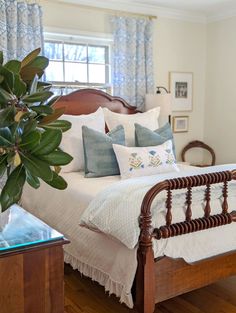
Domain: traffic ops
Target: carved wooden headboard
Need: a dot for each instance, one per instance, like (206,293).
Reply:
(85,101)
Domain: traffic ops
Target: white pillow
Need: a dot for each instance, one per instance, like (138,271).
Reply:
(72,142)
(147,119)
(144,161)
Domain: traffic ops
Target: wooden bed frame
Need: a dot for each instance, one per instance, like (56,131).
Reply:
(160,279)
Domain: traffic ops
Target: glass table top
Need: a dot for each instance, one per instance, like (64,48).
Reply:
(24,229)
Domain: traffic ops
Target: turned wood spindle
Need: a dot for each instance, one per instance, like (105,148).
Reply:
(225,206)
(189,205)
(208,199)
(169,207)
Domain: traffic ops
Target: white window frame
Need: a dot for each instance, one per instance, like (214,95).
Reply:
(83,38)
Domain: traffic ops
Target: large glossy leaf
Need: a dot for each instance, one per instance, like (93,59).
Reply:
(40,62)
(30,57)
(11,192)
(8,82)
(14,66)
(50,140)
(3,168)
(1,79)
(44,86)
(57,158)
(29,126)
(53,117)
(19,88)
(5,96)
(57,182)
(5,137)
(42,109)
(53,100)
(59,124)
(32,180)
(7,116)
(28,73)
(30,141)
(34,85)
(38,97)
(36,167)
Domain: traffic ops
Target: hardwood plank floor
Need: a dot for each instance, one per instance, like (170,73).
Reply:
(84,296)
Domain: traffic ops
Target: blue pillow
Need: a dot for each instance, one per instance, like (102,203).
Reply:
(145,137)
(99,156)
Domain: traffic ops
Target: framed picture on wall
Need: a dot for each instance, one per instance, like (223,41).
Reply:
(180,124)
(181,89)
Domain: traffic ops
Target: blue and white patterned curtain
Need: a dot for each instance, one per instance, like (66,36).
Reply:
(133,59)
(21,29)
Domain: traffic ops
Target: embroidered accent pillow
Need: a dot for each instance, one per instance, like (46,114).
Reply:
(148,119)
(99,156)
(145,161)
(72,139)
(145,137)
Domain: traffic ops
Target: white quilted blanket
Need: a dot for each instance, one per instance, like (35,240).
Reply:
(115,212)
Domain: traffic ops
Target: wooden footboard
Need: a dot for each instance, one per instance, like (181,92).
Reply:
(158,280)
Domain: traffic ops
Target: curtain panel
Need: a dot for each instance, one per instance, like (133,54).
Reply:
(21,29)
(132,59)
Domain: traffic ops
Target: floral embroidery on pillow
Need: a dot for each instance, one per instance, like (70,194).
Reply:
(154,159)
(170,159)
(135,162)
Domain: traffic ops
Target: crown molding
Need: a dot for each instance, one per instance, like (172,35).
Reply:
(132,6)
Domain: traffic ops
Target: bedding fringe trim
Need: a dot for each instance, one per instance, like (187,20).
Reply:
(102,278)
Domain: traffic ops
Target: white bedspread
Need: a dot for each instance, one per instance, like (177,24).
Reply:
(96,255)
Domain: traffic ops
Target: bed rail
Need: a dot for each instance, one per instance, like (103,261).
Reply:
(189,225)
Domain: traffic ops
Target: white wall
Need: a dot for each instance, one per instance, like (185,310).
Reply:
(178,46)
(220,108)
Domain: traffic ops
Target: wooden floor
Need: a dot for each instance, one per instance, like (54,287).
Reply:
(84,296)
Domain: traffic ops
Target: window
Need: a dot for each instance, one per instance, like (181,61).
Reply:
(74,65)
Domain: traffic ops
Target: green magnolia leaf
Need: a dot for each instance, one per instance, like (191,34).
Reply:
(11,192)
(5,96)
(57,158)
(30,141)
(59,124)
(38,97)
(40,62)
(44,86)
(29,126)
(42,109)
(8,82)
(19,87)
(7,116)
(32,180)
(53,117)
(14,66)
(34,84)
(50,140)
(57,182)
(5,137)
(1,57)
(1,79)
(30,57)
(36,167)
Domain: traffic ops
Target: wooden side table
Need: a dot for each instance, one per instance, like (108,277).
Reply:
(31,266)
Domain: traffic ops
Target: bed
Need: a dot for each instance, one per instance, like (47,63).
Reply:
(156,279)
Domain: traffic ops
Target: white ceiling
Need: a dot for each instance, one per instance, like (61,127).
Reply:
(194,10)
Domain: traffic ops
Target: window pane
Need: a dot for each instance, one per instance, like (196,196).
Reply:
(54,71)
(53,50)
(97,74)
(96,54)
(75,72)
(75,53)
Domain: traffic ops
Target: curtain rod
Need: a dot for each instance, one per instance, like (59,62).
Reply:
(112,11)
